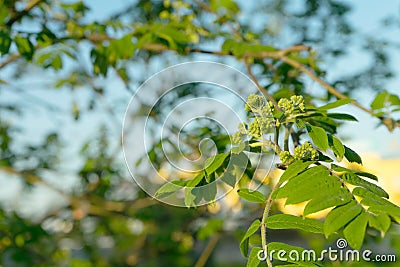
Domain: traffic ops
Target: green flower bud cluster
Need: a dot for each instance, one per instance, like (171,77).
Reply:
(290,106)
(254,103)
(263,115)
(306,152)
(255,128)
(237,138)
(298,102)
(286,157)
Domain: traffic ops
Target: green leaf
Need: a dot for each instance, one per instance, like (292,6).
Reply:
(366,174)
(326,123)
(318,136)
(324,201)
(351,155)
(342,116)
(380,222)
(338,103)
(252,196)
(253,260)
(229,6)
(286,221)
(323,158)
(340,216)
(208,192)
(228,178)
(308,184)
(189,197)
(196,180)
(25,47)
(384,99)
(337,168)
(376,204)
(294,169)
(244,244)
(239,148)
(379,101)
(214,162)
(336,146)
(353,179)
(5,43)
(100,62)
(169,188)
(354,232)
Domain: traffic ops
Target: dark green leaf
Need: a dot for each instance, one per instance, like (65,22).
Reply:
(351,155)
(5,43)
(25,47)
(342,116)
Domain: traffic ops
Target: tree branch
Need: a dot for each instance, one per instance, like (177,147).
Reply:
(259,87)
(388,122)
(31,4)
(208,250)
(9,60)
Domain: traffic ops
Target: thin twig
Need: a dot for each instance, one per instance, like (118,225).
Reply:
(208,250)
(327,86)
(9,60)
(259,87)
(387,121)
(31,4)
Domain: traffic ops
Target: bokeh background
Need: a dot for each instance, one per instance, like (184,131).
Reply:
(67,72)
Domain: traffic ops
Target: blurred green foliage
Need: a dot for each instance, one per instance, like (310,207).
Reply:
(103,218)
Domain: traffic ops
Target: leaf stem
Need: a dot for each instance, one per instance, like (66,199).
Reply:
(268,204)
